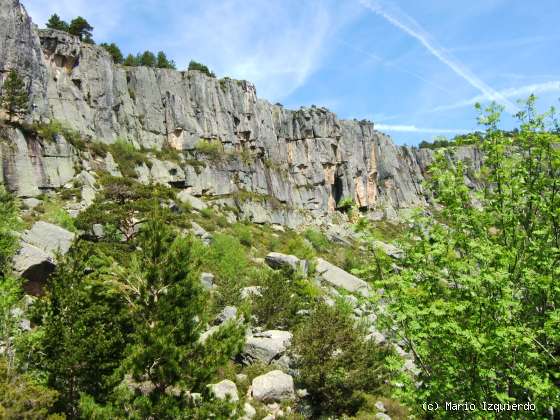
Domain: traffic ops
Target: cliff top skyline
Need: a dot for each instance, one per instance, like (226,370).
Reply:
(416,71)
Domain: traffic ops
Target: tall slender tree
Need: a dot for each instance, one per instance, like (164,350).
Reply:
(15,99)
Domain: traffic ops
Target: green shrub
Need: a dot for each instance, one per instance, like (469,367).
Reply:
(317,239)
(212,148)
(52,211)
(128,157)
(283,294)
(299,247)
(336,362)
(194,65)
(243,233)
(9,222)
(345,205)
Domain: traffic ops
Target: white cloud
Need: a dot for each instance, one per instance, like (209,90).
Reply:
(277,45)
(408,25)
(103,15)
(414,129)
(514,92)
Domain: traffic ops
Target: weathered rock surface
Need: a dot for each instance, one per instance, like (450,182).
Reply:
(35,260)
(291,262)
(273,386)
(225,389)
(266,346)
(340,278)
(288,161)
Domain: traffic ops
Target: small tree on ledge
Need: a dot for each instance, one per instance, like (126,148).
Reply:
(15,99)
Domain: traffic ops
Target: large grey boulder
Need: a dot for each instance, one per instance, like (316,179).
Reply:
(35,260)
(340,278)
(278,260)
(273,386)
(196,203)
(389,249)
(224,390)
(266,346)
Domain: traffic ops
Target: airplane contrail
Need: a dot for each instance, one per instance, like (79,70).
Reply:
(408,25)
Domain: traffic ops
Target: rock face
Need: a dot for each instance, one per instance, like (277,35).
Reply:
(266,346)
(288,161)
(273,386)
(225,389)
(291,262)
(35,260)
(340,278)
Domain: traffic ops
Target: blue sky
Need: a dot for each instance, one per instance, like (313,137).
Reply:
(415,68)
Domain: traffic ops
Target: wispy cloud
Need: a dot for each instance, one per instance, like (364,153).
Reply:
(514,92)
(414,129)
(407,24)
(393,65)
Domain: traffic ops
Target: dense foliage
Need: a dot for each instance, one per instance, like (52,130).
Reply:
(194,65)
(337,364)
(477,298)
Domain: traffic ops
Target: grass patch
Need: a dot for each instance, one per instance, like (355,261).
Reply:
(128,157)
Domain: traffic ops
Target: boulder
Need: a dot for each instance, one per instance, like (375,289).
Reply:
(340,278)
(251,291)
(266,346)
(224,389)
(35,260)
(273,386)
(389,249)
(277,260)
(207,280)
(201,233)
(229,312)
(249,411)
(196,203)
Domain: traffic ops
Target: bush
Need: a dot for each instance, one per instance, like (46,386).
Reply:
(213,148)
(128,157)
(317,239)
(243,233)
(282,295)
(299,247)
(336,363)
(9,222)
(193,65)
(53,212)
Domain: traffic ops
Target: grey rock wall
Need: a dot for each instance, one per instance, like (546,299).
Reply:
(306,159)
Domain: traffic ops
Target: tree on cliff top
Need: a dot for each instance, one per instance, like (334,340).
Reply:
(15,98)
(194,65)
(55,22)
(81,28)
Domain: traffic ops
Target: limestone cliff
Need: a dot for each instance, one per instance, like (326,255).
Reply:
(298,160)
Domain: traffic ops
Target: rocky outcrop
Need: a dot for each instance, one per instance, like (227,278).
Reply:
(278,260)
(36,258)
(225,389)
(30,166)
(266,347)
(286,167)
(339,278)
(273,386)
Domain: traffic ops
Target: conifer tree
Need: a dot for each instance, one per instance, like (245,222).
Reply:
(82,29)
(115,52)
(148,59)
(55,22)
(163,62)
(15,98)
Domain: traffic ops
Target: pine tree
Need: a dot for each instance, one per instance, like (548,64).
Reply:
(163,62)
(167,304)
(82,29)
(130,61)
(15,98)
(148,59)
(115,52)
(55,22)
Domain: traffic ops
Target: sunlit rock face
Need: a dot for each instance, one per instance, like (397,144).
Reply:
(296,160)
